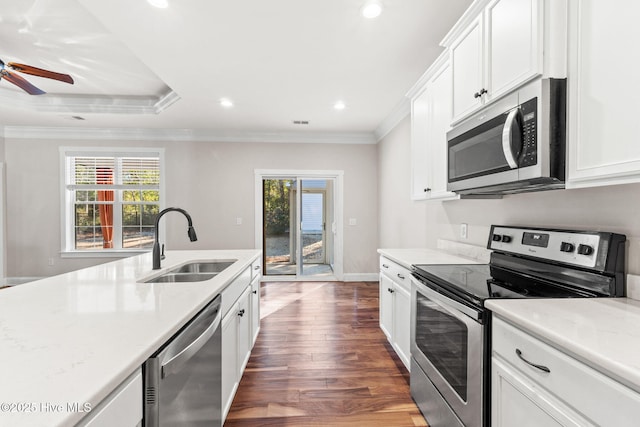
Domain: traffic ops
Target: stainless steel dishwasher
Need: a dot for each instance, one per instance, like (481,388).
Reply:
(183,378)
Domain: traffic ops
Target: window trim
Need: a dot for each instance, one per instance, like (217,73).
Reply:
(67,249)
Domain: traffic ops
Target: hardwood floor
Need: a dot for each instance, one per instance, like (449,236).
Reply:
(322,360)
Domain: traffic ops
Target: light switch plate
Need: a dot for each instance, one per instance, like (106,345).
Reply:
(353,221)
(463,231)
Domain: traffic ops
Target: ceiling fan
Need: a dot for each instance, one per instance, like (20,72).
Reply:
(19,81)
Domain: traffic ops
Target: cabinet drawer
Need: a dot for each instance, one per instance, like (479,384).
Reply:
(601,399)
(256,268)
(396,272)
(231,293)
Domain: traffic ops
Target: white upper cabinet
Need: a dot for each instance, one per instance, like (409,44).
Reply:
(603,83)
(466,63)
(430,118)
(497,48)
(513,52)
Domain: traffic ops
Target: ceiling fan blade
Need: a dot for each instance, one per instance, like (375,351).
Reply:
(34,71)
(21,83)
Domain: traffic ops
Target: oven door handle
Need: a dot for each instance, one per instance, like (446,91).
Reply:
(507,136)
(446,302)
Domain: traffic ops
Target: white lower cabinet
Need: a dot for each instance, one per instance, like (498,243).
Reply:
(240,327)
(230,359)
(123,407)
(536,385)
(395,307)
(255,309)
(239,330)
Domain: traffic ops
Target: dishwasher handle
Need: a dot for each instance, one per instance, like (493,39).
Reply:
(174,364)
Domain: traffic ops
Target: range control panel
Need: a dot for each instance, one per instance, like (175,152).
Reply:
(584,249)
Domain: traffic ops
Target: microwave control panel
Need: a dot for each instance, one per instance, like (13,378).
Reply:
(529,153)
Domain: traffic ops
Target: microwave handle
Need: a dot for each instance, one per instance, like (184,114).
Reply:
(507,135)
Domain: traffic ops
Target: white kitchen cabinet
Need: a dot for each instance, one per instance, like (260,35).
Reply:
(244,330)
(255,301)
(123,407)
(560,391)
(395,307)
(602,87)
(236,348)
(237,331)
(467,64)
(498,48)
(230,359)
(430,118)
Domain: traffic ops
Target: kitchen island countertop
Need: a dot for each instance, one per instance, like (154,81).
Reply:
(75,337)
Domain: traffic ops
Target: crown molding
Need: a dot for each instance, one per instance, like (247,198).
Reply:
(399,112)
(467,17)
(81,104)
(126,134)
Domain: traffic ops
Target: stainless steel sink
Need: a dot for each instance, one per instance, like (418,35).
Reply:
(203,267)
(181,277)
(198,271)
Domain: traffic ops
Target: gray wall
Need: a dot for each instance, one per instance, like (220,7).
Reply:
(213,181)
(405,224)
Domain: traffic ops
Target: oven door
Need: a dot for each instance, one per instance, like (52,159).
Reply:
(448,343)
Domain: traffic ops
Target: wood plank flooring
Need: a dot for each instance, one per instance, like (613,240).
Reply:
(322,360)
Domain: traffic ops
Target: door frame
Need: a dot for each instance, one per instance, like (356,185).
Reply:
(337,227)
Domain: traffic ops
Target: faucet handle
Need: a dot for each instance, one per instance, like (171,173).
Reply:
(162,252)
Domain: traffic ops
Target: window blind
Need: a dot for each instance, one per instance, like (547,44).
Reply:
(112,172)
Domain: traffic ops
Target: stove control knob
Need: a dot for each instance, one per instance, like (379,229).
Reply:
(567,247)
(506,238)
(496,238)
(585,249)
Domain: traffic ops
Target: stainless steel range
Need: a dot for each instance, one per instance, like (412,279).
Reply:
(451,329)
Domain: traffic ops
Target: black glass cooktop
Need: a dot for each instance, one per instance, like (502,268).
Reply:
(478,282)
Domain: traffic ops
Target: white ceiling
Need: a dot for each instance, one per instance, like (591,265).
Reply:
(140,68)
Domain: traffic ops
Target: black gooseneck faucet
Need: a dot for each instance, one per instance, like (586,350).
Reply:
(191,232)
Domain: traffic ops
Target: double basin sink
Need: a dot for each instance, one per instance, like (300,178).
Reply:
(192,272)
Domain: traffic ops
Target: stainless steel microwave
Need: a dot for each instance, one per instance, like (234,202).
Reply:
(516,144)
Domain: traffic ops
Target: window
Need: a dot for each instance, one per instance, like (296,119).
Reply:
(111,199)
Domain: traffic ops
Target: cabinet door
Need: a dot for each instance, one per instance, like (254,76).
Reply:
(420,168)
(439,120)
(513,46)
(603,87)
(466,65)
(402,324)
(517,401)
(230,367)
(244,330)
(255,310)
(386,305)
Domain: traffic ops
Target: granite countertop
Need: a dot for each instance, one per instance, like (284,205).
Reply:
(75,337)
(603,333)
(408,257)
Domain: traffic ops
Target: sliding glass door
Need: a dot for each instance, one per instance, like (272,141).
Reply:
(295,216)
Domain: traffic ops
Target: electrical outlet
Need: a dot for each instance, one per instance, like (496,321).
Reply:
(353,221)
(463,231)
(238,221)
(50,261)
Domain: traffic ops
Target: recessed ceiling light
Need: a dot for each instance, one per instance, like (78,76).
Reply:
(372,9)
(162,4)
(339,105)
(226,103)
